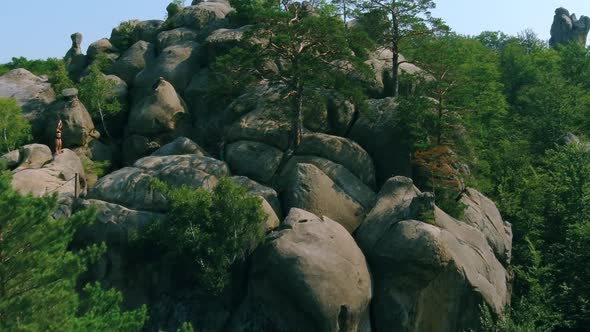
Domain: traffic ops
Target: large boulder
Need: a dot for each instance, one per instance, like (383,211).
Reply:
(256,160)
(567,28)
(78,127)
(147,30)
(176,64)
(175,37)
(481,213)
(57,176)
(131,186)
(308,188)
(102,47)
(10,160)
(74,60)
(430,271)
(199,16)
(255,188)
(135,147)
(342,151)
(32,93)
(161,111)
(115,225)
(381,135)
(34,156)
(341,176)
(308,276)
(262,125)
(181,145)
(133,61)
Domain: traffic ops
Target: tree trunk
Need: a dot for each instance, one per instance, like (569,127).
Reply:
(297,120)
(103,123)
(394,73)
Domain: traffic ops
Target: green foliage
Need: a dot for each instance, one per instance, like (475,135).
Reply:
(98,168)
(393,23)
(295,54)
(186,327)
(38,273)
(208,230)
(100,310)
(96,93)
(60,79)
(14,128)
(37,67)
(125,36)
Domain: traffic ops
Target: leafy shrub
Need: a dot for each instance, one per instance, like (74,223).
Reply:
(208,230)
(14,128)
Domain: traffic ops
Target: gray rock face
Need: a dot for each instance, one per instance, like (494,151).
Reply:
(130,186)
(342,151)
(309,276)
(256,160)
(32,93)
(382,138)
(133,61)
(136,146)
(342,178)
(147,30)
(179,146)
(311,189)
(483,214)
(176,64)
(78,128)
(114,223)
(255,188)
(34,156)
(175,37)
(429,276)
(381,61)
(75,61)
(200,15)
(265,126)
(54,177)
(163,110)
(10,160)
(102,46)
(567,28)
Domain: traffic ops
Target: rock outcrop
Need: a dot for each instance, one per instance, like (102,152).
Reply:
(567,28)
(39,174)
(133,61)
(431,272)
(130,186)
(74,60)
(32,93)
(309,276)
(78,127)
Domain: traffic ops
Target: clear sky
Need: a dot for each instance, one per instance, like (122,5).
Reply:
(41,28)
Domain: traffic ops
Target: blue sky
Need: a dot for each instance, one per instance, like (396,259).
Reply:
(40,28)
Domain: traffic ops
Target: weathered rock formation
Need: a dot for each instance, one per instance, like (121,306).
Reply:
(567,28)
(74,60)
(309,276)
(32,93)
(431,272)
(39,173)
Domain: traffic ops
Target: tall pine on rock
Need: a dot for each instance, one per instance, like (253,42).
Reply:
(393,22)
(296,50)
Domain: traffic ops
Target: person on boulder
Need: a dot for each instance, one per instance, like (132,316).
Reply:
(58,137)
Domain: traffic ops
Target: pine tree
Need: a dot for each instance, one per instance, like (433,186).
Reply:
(38,273)
(393,22)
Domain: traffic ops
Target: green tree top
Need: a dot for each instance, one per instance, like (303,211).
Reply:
(14,128)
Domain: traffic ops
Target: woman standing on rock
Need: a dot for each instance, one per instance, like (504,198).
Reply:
(58,137)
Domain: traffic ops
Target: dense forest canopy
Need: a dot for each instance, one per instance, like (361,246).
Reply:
(507,115)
